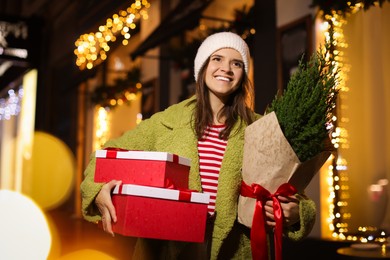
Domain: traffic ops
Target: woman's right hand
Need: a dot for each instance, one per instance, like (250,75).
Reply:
(104,203)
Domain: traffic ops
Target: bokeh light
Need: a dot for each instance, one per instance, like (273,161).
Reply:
(49,175)
(86,254)
(24,232)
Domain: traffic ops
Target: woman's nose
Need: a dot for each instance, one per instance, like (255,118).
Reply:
(225,66)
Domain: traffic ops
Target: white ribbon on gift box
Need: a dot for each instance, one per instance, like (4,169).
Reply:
(145,155)
(159,193)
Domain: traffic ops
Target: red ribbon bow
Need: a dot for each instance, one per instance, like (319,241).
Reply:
(184,194)
(258,234)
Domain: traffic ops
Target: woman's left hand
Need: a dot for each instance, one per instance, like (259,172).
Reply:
(290,208)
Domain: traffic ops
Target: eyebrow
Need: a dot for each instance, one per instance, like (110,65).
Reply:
(221,56)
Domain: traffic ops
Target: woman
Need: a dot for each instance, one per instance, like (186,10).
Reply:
(216,116)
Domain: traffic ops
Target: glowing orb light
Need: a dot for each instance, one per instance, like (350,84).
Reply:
(52,171)
(86,254)
(56,243)
(24,232)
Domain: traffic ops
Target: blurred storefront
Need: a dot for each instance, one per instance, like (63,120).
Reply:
(19,56)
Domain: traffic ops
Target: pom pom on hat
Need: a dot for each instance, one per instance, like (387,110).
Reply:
(218,41)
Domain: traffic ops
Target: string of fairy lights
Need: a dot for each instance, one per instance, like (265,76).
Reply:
(337,175)
(337,172)
(91,48)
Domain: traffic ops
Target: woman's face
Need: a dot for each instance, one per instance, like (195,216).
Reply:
(224,72)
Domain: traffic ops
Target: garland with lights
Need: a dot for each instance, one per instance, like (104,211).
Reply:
(337,171)
(121,92)
(344,7)
(91,48)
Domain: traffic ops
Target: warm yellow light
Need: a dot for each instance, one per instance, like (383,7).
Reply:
(139,118)
(131,96)
(51,192)
(324,26)
(87,254)
(102,119)
(90,37)
(88,45)
(333,33)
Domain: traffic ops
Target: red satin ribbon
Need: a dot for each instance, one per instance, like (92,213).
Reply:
(112,152)
(258,234)
(184,194)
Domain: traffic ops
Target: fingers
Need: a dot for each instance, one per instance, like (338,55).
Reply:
(291,213)
(105,206)
(290,206)
(111,209)
(107,227)
(107,188)
(269,214)
(288,199)
(290,210)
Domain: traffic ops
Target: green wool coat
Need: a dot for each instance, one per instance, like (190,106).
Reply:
(171,131)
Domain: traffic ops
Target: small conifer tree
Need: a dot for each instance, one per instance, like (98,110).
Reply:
(305,109)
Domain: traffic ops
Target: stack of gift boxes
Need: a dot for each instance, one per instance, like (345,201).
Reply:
(154,200)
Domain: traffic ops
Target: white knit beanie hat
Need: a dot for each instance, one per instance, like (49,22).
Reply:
(218,41)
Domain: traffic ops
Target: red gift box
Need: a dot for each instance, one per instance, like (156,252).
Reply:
(158,169)
(158,213)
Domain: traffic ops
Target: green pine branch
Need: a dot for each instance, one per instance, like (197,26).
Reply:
(305,109)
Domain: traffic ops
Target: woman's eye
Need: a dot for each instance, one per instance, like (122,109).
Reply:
(216,59)
(238,64)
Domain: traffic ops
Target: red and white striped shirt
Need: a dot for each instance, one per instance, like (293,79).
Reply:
(211,150)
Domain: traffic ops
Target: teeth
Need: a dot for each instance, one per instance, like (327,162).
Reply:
(222,78)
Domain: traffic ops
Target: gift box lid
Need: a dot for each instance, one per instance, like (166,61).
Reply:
(161,193)
(143,155)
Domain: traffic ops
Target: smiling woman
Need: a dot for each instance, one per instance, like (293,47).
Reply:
(208,129)
(223,76)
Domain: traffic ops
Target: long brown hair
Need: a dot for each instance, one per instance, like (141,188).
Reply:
(239,106)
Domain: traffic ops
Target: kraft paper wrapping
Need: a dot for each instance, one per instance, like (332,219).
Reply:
(270,161)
